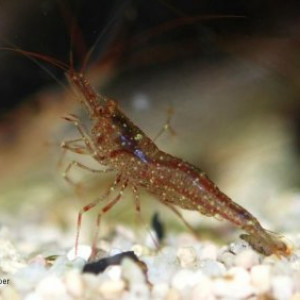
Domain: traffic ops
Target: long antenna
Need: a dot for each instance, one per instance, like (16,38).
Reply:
(35,57)
(107,27)
(76,37)
(31,55)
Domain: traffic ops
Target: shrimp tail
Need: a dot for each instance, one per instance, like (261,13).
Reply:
(267,244)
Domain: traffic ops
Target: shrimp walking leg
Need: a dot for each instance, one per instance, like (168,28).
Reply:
(167,125)
(178,213)
(73,146)
(137,205)
(92,204)
(75,163)
(80,127)
(104,210)
(139,218)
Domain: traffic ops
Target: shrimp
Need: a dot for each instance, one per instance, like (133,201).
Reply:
(120,146)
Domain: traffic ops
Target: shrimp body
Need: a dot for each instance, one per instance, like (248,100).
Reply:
(119,144)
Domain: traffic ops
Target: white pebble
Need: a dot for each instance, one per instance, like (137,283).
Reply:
(235,283)
(83,251)
(140,250)
(227,258)
(9,293)
(112,289)
(186,278)
(282,267)
(131,272)
(163,266)
(187,257)
(173,294)
(51,288)
(246,259)
(182,279)
(114,272)
(27,278)
(203,290)
(115,251)
(74,283)
(92,282)
(159,291)
(260,278)
(38,259)
(238,246)
(212,268)
(296,280)
(295,296)
(32,296)
(295,263)
(209,251)
(61,265)
(10,260)
(78,263)
(282,287)
(138,291)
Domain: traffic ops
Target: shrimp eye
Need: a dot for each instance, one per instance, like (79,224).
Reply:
(100,110)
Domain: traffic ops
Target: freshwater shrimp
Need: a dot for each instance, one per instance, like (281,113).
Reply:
(120,146)
(116,142)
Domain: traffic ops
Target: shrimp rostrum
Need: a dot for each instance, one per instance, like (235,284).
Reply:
(120,145)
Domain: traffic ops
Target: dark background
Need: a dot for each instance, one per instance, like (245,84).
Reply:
(45,26)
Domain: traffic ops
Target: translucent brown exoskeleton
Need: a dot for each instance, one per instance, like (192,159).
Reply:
(119,146)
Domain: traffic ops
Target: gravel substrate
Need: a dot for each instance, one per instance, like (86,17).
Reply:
(182,268)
